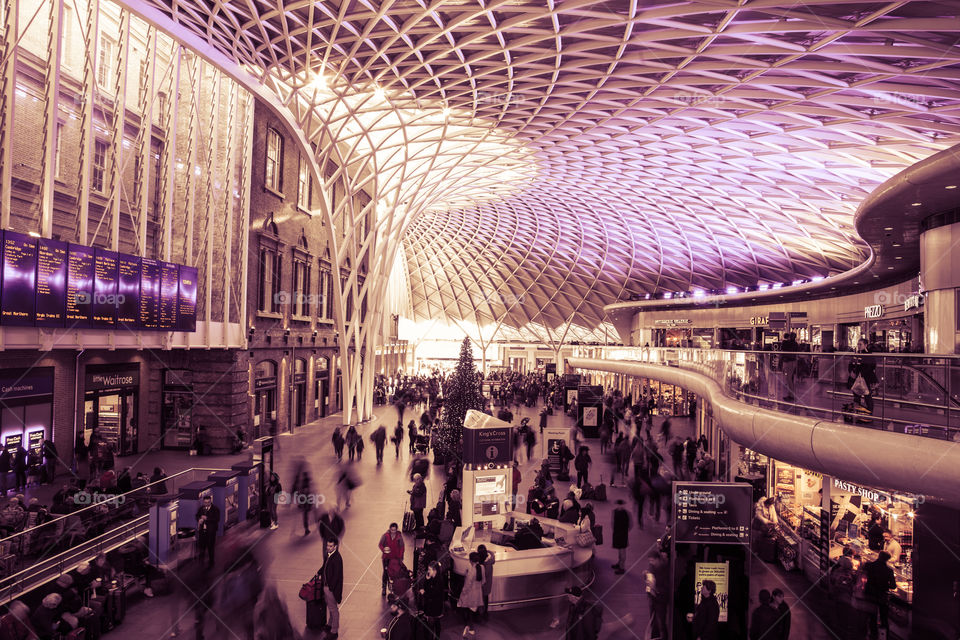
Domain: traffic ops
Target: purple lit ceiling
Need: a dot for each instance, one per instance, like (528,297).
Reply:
(672,145)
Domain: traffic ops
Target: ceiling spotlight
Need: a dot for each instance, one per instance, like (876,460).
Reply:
(899,258)
(916,204)
(796,282)
(888,228)
(732,290)
(889,268)
(647,297)
(699,293)
(667,295)
(33,234)
(776,285)
(895,244)
(762,287)
(816,278)
(951,186)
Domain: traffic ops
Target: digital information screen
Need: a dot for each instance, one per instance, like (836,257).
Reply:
(79,285)
(169,283)
(187,307)
(51,283)
(105,289)
(128,286)
(494,485)
(19,279)
(149,293)
(713,512)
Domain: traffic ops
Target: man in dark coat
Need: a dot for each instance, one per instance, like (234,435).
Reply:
(20,468)
(379,439)
(330,526)
(621,536)
(208,520)
(584,619)
(783,615)
(880,580)
(706,618)
(764,619)
(332,571)
(50,458)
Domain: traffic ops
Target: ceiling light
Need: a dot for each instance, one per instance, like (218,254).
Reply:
(33,234)
(776,285)
(899,258)
(888,268)
(896,244)
(732,290)
(916,204)
(763,287)
(951,186)
(888,228)
(667,295)
(796,282)
(816,278)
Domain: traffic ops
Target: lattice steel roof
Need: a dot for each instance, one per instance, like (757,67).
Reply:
(637,146)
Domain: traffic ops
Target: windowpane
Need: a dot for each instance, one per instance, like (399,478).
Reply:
(105,63)
(303,185)
(99,165)
(274,155)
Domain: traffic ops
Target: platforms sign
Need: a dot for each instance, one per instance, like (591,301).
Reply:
(713,512)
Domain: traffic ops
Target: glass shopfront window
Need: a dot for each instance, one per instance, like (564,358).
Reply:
(110,406)
(265,399)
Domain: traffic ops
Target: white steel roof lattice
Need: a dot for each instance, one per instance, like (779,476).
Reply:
(634,148)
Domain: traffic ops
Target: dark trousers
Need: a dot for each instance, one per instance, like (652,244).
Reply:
(306,520)
(398,450)
(581,477)
(205,544)
(383,581)
(485,612)
(21,479)
(418,517)
(379,454)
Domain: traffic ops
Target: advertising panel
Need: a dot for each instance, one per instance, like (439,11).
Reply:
(719,572)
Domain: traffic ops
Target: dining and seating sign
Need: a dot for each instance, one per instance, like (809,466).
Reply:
(49,283)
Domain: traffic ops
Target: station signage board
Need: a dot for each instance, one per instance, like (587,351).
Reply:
(759,321)
(913,301)
(713,512)
(672,322)
(486,440)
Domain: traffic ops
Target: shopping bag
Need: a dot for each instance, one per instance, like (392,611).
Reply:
(860,387)
(597,531)
(585,539)
(313,589)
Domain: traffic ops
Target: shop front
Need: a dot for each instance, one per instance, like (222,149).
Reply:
(265,399)
(672,332)
(26,407)
(111,396)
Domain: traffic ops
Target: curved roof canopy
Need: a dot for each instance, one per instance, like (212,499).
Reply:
(575,152)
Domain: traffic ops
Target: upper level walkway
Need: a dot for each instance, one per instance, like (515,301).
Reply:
(800,407)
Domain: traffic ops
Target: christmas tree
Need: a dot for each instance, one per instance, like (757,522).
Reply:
(461,393)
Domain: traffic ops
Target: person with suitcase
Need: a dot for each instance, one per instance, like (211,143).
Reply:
(315,601)
(332,571)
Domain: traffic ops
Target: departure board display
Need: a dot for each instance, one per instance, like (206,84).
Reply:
(187,307)
(105,289)
(128,290)
(169,282)
(149,293)
(51,283)
(19,279)
(80,264)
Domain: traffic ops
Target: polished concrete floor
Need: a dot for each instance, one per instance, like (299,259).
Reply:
(381,499)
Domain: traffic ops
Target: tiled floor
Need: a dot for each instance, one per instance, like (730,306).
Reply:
(380,500)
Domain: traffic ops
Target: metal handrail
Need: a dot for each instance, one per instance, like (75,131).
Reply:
(141,491)
(43,571)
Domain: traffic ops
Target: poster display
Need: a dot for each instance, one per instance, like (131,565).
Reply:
(35,441)
(590,417)
(572,395)
(51,283)
(719,572)
(80,266)
(105,288)
(19,279)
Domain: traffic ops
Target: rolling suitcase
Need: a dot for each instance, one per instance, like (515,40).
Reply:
(600,491)
(316,614)
(409,522)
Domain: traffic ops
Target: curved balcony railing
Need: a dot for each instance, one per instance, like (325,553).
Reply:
(915,394)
